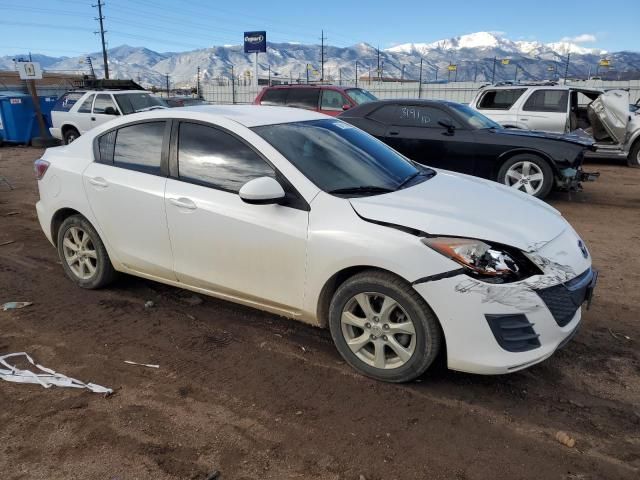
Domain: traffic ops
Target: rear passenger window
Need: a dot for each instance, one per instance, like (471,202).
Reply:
(385,115)
(303,98)
(86,105)
(139,147)
(66,101)
(211,157)
(419,116)
(105,147)
(275,96)
(500,99)
(547,101)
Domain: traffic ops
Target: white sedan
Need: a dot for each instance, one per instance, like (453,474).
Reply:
(305,216)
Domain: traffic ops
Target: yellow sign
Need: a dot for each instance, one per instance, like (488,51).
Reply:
(452,68)
(505,61)
(605,62)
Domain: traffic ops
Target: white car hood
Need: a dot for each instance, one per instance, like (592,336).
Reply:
(465,206)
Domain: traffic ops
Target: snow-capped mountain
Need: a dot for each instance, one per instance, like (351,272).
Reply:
(473,54)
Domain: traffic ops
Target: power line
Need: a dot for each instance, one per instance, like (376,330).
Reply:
(102,32)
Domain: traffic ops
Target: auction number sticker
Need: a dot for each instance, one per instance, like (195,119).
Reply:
(15,101)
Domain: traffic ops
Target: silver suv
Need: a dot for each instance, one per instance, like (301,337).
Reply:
(561,109)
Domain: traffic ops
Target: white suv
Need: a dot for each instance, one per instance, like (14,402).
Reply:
(561,109)
(78,111)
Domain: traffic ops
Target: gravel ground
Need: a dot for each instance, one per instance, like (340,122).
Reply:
(256,396)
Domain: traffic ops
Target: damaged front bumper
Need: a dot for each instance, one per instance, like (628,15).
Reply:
(501,328)
(570,179)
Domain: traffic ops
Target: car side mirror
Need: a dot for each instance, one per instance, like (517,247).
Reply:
(448,125)
(346,106)
(111,111)
(262,191)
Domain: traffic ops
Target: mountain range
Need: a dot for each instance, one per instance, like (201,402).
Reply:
(478,56)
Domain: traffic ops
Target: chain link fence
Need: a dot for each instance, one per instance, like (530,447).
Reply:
(461,92)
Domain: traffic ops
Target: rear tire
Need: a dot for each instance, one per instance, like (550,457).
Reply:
(83,255)
(70,135)
(528,173)
(394,338)
(633,160)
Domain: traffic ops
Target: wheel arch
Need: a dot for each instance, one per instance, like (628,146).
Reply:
(68,126)
(509,154)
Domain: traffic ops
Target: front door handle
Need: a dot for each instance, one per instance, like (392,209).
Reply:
(93,119)
(394,132)
(524,119)
(183,202)
(98,182)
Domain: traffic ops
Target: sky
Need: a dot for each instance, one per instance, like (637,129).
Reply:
(66,27)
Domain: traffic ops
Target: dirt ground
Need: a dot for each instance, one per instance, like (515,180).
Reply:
(255,396)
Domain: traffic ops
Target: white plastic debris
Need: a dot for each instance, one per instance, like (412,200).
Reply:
(142,364)
(47,378)
(15,305)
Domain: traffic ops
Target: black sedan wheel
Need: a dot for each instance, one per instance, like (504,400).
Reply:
(527,173)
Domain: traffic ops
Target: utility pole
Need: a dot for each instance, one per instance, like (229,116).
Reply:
(322,56)
(198,84)
(356,74)
(167,79)
(475,73)
(420,80)
(515,79)
(307,73)
(379,71)
(269,76)
(102,32)
(233,86)
(402,76)
(340,75)
(566,68)
(493,74)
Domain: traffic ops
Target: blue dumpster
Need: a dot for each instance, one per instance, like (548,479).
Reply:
(18,122)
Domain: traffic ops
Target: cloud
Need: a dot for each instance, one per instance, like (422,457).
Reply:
(582,38)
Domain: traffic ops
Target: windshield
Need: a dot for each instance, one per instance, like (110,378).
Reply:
(473,117)
(361,96)
(138,102)
(340,158)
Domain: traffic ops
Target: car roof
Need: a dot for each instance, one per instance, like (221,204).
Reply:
(305,85)
(541,87)
(111,91)
(247,115)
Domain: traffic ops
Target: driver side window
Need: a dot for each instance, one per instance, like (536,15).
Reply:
(213,158)
(104,101)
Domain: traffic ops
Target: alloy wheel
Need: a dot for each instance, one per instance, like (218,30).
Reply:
(80,253)
(378,330)
(525,176)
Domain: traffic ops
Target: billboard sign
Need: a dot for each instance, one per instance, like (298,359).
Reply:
(255,42)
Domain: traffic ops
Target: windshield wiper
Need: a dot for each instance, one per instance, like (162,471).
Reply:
(362,189)
(426,173)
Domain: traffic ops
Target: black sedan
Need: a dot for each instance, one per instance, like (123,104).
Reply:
(455,137)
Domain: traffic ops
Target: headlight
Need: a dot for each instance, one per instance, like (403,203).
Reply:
(494,263)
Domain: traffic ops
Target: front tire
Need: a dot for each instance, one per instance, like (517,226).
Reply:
(83,255)
(633,160)
(383,328)
(528,173)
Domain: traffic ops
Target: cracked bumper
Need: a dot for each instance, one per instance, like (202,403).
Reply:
(471,345)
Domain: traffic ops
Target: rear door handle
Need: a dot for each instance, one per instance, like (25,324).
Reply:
(183,202)
(524,119)
(93,119)
(98,182)
(394,132)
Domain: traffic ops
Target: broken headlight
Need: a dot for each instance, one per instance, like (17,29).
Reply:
(492,263)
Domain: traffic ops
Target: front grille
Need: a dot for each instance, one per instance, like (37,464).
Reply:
(514,333)
(565,299)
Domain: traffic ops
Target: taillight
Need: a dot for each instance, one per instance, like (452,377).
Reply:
(40,166)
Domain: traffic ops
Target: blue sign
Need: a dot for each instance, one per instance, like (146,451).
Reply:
(255,42)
